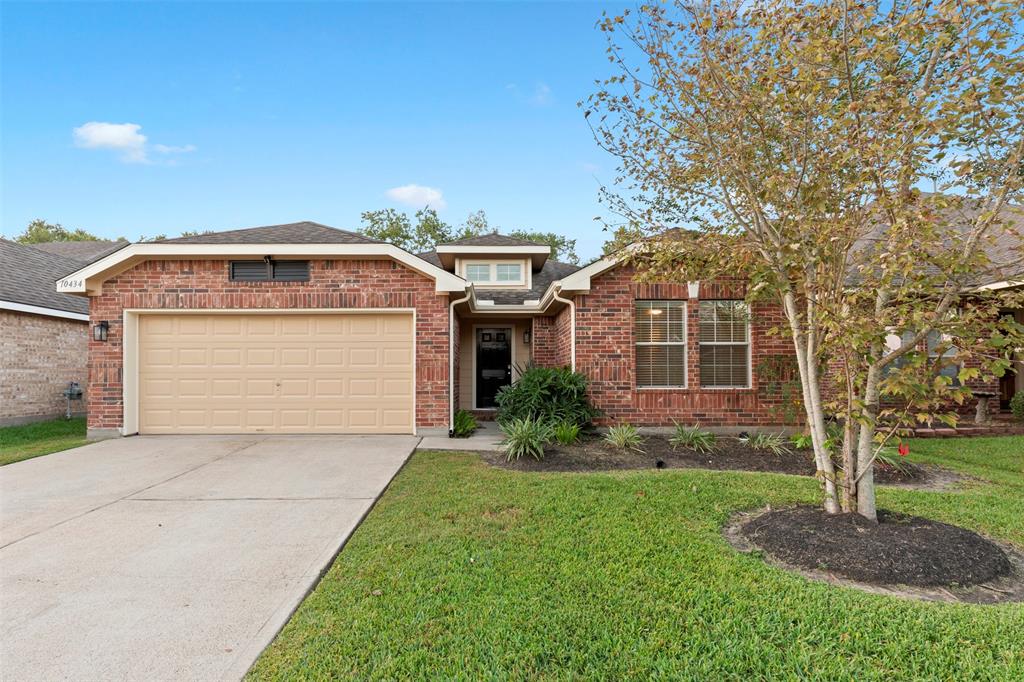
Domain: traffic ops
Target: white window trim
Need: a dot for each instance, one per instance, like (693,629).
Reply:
(684,343)
(525,280)
(750,360)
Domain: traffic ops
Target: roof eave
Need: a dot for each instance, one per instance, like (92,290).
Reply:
(88,280)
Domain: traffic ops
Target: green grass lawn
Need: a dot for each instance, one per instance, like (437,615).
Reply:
(470,572)
(42,438)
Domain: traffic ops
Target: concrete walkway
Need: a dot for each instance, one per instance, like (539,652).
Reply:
(173,557)
(485,438)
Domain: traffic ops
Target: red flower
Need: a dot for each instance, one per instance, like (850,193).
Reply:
(903,449)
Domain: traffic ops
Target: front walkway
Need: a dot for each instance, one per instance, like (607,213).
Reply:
(173,557)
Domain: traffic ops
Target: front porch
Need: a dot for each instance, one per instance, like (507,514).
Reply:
(491,353)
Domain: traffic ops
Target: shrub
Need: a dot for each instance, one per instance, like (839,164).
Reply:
(624,436)
(524,437)
(464,424)
(566,433)
(693,438)
(546,394)
(802,441)
(1017,405)
(770,442)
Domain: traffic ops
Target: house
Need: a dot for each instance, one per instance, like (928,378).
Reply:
(303,328)
(44,337)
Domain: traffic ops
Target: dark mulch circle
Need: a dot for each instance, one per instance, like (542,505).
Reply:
(898,550)
(593,453)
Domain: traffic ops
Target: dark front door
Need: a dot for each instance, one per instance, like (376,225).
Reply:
(493,364)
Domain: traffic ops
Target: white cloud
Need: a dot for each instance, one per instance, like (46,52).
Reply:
(170,149)
(417,196)
(125,138)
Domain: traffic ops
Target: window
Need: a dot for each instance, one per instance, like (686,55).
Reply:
(495,273)
(660,344)
(478,272)
(265,271)
(724,344)
(937,342)
(509,272)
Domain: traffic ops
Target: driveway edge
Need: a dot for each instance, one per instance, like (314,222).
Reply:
(248,656)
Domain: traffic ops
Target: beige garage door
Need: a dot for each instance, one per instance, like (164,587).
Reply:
(308,373)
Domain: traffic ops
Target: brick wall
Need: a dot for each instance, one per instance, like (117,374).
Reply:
(38,357)
(204,285)
(605,353)
(552,339)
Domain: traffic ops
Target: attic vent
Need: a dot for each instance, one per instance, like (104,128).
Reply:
(264,271)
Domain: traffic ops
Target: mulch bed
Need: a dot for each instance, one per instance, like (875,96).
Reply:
(593,453)
(898,550)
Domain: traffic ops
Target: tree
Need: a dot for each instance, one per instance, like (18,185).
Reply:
(562,248)
(796,139)
(40,231)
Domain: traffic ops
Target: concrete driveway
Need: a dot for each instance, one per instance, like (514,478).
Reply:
(173,557)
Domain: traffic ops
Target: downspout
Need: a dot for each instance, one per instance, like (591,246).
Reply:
(572,322)
(451,360)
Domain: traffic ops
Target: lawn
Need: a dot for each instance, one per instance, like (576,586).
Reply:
(42,438)
(465,571)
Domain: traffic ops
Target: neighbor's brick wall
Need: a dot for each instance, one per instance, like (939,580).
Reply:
(605,353)
(204,284)
(38,357)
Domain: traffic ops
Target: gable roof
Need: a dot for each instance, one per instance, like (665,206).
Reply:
(304,232)
(493,239)
(29,276)
(80,251)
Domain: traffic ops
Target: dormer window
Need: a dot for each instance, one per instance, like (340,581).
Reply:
(510,273)
(478,272)
(496,273)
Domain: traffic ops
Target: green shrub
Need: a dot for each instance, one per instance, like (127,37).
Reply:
(1017,405)
(802,441)
(524,437)
(546,394)
(769,442)
(624,436)
(464,424)
(693,438)
(567,433)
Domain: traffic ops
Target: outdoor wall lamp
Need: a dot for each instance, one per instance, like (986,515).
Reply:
(526,338)
(99,331)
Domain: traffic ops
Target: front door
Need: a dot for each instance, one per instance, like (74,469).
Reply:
(493,364)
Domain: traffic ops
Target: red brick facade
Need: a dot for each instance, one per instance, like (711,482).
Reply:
(605,353)
(204,284)
(552,339)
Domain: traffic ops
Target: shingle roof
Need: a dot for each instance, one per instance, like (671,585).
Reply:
(30,276)
(494,239)
(292,233)
(80,251)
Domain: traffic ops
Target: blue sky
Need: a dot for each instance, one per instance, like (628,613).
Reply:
(255,114)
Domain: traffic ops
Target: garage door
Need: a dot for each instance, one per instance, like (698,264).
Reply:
(307,373)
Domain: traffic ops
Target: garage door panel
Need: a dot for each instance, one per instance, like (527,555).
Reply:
(236,373)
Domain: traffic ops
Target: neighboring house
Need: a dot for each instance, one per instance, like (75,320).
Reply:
(43,334)
(303,328)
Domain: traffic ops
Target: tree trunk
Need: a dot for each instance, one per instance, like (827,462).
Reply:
(807,366)
(865,447)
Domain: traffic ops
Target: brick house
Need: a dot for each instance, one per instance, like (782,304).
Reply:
(303,328)
(44,337)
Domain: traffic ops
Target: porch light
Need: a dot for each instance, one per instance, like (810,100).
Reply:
(526,338)
(99,331)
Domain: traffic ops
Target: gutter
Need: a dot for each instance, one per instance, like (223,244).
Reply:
(451,359)
(572,320)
